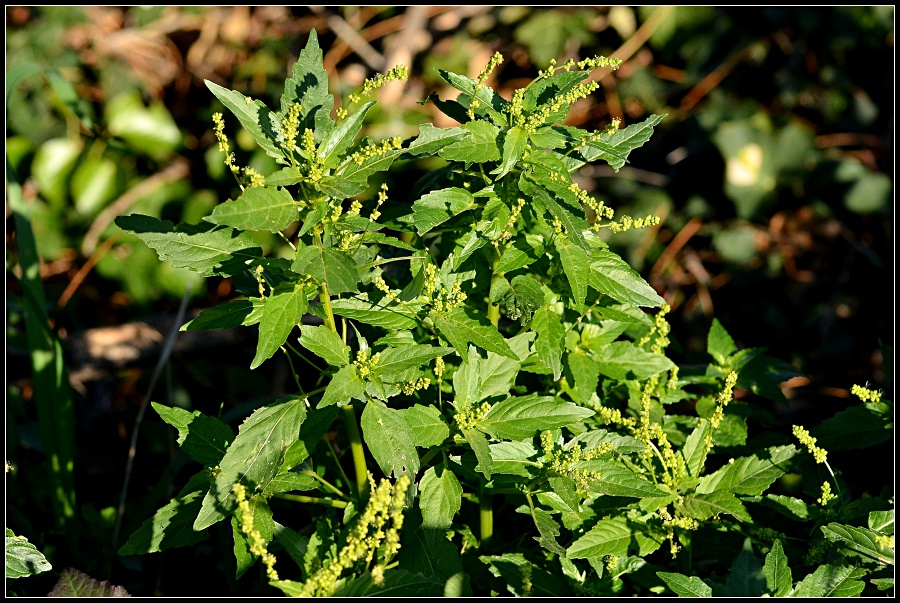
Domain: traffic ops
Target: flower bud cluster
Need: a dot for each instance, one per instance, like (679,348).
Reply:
(290,127)
(469,416)
(865,394)
(479,82)
(377,149)
(627,223)
(257,544)
(511,222)
(722,400)
(827,496)
(415,385)
(606,416)
(224,147)
(562,461)
(364,363)
(807,440)
(398,73)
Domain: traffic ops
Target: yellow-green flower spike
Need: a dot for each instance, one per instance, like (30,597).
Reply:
(865,394)
(810,442)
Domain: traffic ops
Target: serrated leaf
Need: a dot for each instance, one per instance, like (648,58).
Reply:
(263,525)
(331,266)
(224,316)
(343,387)
(326,344)
(314,428)
(616,479)
(464,325)
(882,522)
(427,425)
(357,173)
(607,537)
(431,140)
(308,86)
(574,225)
(440,497)
(253,115)
(389,439)
(490,103)
(517,418)
(550,339)
(719,343)
(342,136)
(73,583)
(694,450)
(289,481)
(585,372)
(577,266)
(439,206)
(746,578)
(479,147)
(777,571)
(394,360)
(383,313)
(258,208)
(859,541)
(615,149)
(254,457)
(203,248)
(169,527)
(548,530)
(286,177)
(204,438)
(481,449)
(749,475)
(832,581)
(282,311)
(704,506)
(612,276)
(514,144)
(23,558)
(293,543)
(623,360)
(498,374)
(685,586)
(525,249)
(514,458)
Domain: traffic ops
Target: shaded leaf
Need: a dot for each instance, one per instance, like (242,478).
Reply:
(777,571)
(479,147)
(685,586)
(344,386)
(23,558)
(550,339)
(439,206)
(169,527)
(73,583)
(262,524)
(749,475)
(623,360)
(204,438)
(253,115)
(427,425)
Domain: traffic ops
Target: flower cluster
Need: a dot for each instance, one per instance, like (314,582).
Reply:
(377,526)
(627,223)
(659,332)
(224,147)
(398,73)
(415,385)
(290,127)
(865,394)
(257,544)
(365,363)
(807,440)
(827,496)
(469,416)
(670,523)
(510,223)
(722,400)
(377,149)
(479,83)
(563,461)
(606,416)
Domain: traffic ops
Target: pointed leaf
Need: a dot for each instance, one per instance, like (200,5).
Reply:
(615,149)
(254,457)
(777,571)
(481,449)
(479,147)
(832,581)
(326,344)
(384,313)
(204,438)
(749,475)
(525,249)
(694,449)
(719,343)
(440,497)
(342,136)
(611,275)
(607,537)
(574,225)
(517,418)
(258,208)
(395,360)
(431,140)
(224,316)
(859,541)
(684,586)
(282,311)
(169,527)
(203,248)
(263,524)
(577,266)
(464,325)
(746,578)
(389,439)
(514,144)
(23,558)
(489,102)
(616,479)
(343,387)
(439,206)
(427,425)
(308,86)
(253,115)
(328,265)
(586,373)
(704,506)
(623,360)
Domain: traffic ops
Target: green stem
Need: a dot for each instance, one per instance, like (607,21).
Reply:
(356,449)
(325,483)
(486,516)
(493,312)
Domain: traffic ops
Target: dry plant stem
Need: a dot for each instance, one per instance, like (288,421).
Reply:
(157,372)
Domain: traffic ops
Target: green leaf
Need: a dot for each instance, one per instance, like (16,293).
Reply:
(343,387)
(514,144)
(293,543)
(525,249)
(612,276)
(793,508)
(334,268)
(514,458)
(253,115)
(694,450)
(882,522)
(719,343)
(684,586)
(615,149)
(383,313)
(254,457)
(574,225)
(341,137)
(397,583)
(522,577)
(550,339)
(326,344)
(623,360)
(282,311)
(861,542)
(389,439)
(777,571)
(429,552)
(431,140)
(394,360)
(607,537)
(308,86)
(288,481)
(464,325)
(204,248)
(586,373)
(23,558)
(440,497)
(317,422)
(832,581)
(358,173)
(427,425)
(263,524)
(286,177)
(704,506)
(749,475)
(481,449)
(169,527)
(204,438)
(73,583)
(498,373)
(490,103)
(224,316)
(860,426)
(258,208)
(746,578)
(616,479)
(479,147)
(521,417)
(439,206)
(548,530)
(577,266)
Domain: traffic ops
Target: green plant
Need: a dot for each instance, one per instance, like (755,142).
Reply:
(506,403)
